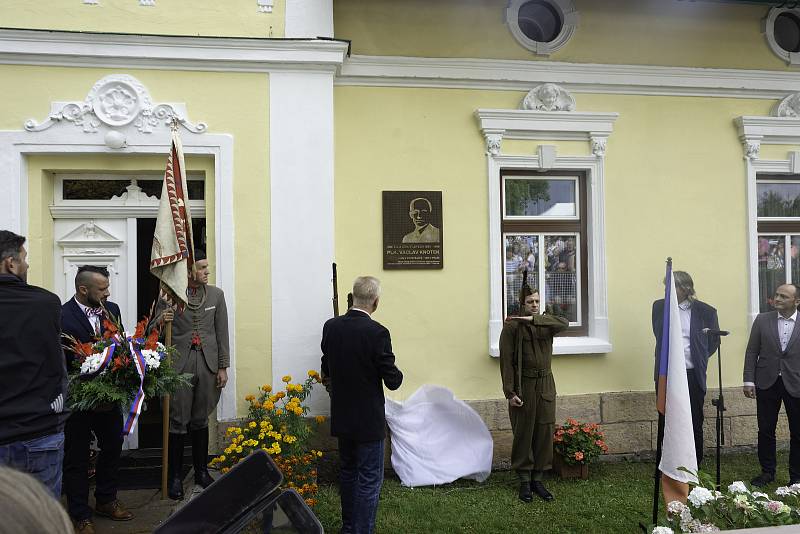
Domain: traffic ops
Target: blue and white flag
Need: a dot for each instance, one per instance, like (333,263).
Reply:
(673,402)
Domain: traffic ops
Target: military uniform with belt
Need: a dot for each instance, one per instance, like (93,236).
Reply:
(526,349)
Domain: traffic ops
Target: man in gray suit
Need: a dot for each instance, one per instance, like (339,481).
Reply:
(200,333)
(772,376)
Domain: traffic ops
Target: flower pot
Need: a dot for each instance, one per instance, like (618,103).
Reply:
(565,470)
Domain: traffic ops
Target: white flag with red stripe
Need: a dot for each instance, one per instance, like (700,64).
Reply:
(172,255)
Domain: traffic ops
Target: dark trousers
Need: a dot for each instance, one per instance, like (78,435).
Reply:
(107,426)
(768,404)
(697,398)
(360,480)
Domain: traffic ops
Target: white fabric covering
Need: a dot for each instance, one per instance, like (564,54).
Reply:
(437,439)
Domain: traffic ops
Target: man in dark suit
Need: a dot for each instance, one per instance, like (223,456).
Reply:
(33,379)
(772,376)
(82,318)
(697,346)
(357,360)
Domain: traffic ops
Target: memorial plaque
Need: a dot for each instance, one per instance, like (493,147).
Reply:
(412,230)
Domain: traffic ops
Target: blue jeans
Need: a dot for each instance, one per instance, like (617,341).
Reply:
(360,480)
(39,457)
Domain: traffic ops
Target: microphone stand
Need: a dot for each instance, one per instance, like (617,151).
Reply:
(719,402)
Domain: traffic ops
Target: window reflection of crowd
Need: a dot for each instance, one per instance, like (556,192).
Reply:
(772,266)
(560,274)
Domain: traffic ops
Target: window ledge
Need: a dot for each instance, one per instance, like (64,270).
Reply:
(572,345)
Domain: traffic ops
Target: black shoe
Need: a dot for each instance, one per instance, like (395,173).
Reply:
(525,492)
(175,467)
(538,488)
(762,480)
(200,457)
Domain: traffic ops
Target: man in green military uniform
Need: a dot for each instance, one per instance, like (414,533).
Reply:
(526,349)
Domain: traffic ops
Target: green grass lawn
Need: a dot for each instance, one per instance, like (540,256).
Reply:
(615,499)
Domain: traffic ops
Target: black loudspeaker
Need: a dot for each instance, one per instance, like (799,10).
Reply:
(248,497)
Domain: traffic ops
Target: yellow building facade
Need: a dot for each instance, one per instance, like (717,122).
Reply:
(670,125)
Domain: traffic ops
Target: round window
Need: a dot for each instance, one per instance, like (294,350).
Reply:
(540,21)
(781,27)
(787,31)
(541,26)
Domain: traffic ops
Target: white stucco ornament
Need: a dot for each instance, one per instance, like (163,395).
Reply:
(115,139)
(788,107)
(116,101)
(548,97)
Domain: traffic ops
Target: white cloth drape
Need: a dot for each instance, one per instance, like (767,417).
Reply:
(437,439)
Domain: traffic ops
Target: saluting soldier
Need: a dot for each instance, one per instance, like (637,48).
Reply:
(526,350)
(200,334)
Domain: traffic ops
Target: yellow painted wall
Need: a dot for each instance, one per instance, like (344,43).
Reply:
(229,18)
(646,32)
(675,186)
(227,102)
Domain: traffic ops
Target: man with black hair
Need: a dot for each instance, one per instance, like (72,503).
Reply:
(82,317)
(526,351)
(33,379)
(200,334)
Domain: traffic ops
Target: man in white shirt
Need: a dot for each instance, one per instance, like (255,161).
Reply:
(772,377)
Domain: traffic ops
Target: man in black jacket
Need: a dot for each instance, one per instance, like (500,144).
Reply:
(357,360)
(82,318)
(698,346)
(33,379)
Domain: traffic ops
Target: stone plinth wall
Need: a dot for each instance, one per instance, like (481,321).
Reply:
(629,420)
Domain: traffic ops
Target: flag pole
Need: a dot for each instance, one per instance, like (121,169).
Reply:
(165,421)
(660,436)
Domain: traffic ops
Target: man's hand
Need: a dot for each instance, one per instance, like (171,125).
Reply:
(168,315)
(222,377)
(749,391)
(515,402)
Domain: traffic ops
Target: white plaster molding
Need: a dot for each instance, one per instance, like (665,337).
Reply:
(265,6)
(768,29)
(788,106)
(569,18)
(547,156)
(553,125)
(548,97)
(769,130)
(753,131)
(108,50)
(598,144)
(592,127)
(147,3)
(306,19)
(92,2)
(518,75)
(493,142)
(301,219)
(114,101)
(17,146)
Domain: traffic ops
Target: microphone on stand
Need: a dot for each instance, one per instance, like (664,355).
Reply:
(709,331)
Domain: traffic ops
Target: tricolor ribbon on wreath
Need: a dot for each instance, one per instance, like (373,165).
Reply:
(138,400)
(106,356)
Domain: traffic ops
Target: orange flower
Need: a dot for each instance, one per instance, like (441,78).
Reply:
(139,332)
(320,419)
(579,456)
(152,340)
(111,329)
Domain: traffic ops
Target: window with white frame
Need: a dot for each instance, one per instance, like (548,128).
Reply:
(778,209)
(781,27)
(544,242)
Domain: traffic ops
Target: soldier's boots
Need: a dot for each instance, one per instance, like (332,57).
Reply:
(538,488)
(525,492)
